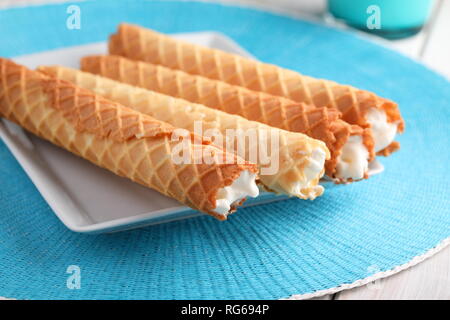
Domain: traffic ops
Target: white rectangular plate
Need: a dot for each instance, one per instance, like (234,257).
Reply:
(90,199)
(87,198)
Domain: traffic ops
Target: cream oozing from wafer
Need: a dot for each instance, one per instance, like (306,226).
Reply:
(311,172)
(383,131)
(353,161)
(244,186)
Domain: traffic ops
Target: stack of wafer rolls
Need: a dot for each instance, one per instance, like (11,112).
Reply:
(124,141)
(299,159)
(319,123)
(357,106)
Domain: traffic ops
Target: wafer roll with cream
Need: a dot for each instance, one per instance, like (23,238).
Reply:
(319,123)
(357,106)
(124,141)
(293,165)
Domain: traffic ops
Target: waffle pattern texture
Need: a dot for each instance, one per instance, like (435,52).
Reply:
(114,137)
(319,123)
(270,251)
(139,43)
(295,151)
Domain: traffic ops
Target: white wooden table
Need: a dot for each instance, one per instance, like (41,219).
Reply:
(431,278)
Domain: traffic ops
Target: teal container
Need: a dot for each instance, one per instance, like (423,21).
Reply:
(388,18)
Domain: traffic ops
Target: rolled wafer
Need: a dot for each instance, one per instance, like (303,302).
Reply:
(357,106)
(294,169)
(319,123)
(122,140)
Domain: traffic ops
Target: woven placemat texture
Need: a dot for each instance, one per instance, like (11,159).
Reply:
(271,251)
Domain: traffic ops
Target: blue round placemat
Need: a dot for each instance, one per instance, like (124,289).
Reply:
(270,251)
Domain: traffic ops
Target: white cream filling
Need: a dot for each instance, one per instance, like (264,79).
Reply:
(241,188)
(353,161)
(312,172)
(382,130)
